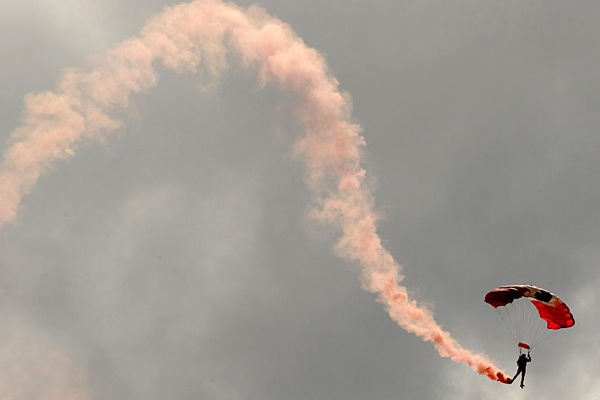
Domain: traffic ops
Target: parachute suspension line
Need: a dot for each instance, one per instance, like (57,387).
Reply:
(508,328)
(526,312)
(521,320)
(545,337)
(533,323)
(513,313)
(508,323)
(525,319)
(519,316)
(529,322)
(540,332)
(510,318)
(533,330)
(545,333)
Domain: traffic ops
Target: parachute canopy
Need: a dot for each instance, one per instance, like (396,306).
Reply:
(552,309)
(514,304)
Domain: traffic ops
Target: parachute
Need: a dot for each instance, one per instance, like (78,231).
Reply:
(531,314)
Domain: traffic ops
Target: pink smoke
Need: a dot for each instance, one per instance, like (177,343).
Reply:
(203,37)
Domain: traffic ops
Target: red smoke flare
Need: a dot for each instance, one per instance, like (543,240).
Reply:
(201,36)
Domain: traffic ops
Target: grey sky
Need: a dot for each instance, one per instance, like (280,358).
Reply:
(175,261)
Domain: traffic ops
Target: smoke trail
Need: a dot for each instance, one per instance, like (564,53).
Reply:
(33,365)
(203,37)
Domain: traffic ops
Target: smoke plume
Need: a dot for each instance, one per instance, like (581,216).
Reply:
(34,366)
(205,37)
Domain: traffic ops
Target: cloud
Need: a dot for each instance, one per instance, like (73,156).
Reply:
(36,366)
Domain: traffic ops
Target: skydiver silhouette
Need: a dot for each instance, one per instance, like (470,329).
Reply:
(522,363)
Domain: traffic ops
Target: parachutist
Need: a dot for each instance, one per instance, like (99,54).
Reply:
(522,366)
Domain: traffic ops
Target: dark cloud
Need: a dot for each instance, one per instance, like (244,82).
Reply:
(175,260)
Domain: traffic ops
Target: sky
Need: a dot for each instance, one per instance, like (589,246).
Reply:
(174,258)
